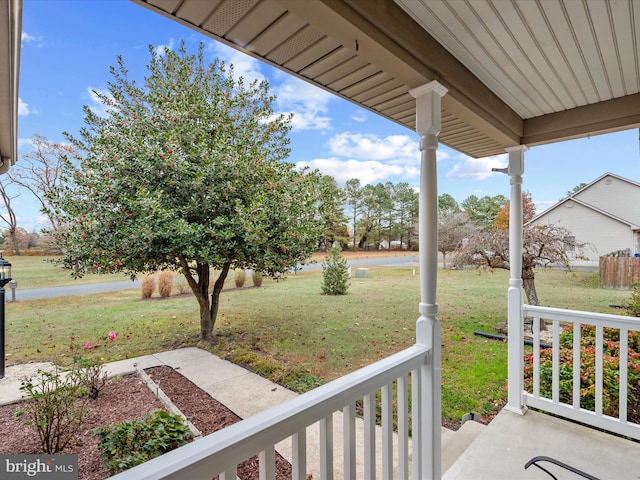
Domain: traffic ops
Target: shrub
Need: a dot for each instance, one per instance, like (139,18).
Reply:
(91,375)
(132,442)
(633,304)
(165,283)
(148,286)
(610,368)
(257,278)
(335,276)
(56,408)
(240,277)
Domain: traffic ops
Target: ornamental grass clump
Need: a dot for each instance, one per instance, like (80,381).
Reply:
(148,286)
(257,278)
(335,274)
(239,278)
(165,283)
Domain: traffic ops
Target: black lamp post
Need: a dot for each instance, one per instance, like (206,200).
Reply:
(5,277)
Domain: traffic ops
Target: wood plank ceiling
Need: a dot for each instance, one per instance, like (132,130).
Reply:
(518,72)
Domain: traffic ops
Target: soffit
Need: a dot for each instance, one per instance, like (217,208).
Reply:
(10,37)
(517,72)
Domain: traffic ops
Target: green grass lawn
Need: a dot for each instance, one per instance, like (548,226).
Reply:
(289,323)
(41,272)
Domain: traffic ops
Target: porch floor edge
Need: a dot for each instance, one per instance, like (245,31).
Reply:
(511,440)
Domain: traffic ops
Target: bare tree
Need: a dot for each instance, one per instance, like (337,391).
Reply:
(453,227)
(542,245)
(10,217)
(40,171)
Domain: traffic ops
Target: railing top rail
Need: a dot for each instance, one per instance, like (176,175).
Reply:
(242,440)
(587,318)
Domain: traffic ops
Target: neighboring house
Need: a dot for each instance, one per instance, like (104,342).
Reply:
(605,214)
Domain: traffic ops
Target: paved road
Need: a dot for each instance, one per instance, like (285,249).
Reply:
(84,289)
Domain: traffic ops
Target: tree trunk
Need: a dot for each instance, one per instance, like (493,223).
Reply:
(14,239)
(529,285)
(200,289)
(215,295)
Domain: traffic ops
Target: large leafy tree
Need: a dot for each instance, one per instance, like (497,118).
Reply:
(331,215)
(185,172)
(501,221)
(483,210)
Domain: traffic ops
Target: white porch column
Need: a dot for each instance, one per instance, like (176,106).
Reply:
(515,292)
(426,458)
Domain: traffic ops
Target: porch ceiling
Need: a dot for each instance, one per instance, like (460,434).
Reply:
(518,72)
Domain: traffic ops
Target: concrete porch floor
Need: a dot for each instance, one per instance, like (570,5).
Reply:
(511,440)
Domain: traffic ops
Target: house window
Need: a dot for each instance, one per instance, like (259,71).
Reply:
(570,243)
(637,243)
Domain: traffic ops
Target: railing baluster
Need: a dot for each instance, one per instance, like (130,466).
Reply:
(555,392)
(577,372)
(599,342)
(370,436)
(267,464)
(229,475)
(535,326)
(387,432)
(349,441)
(417,432)
(299,456)
(624,379)
(403,427)
(326,448)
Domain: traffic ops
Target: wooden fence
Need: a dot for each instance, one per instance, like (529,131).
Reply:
(619,272)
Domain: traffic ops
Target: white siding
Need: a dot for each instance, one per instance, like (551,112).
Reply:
(605,234)
(614,196)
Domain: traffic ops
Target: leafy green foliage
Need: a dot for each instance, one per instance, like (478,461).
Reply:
(633,304)
(335,274)
(610,368)
(484,210)
(132,442)
(56,407)
(185,172)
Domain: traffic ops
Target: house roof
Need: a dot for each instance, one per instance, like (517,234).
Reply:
(574,198)
(517,72)
(564,201)
(10,38)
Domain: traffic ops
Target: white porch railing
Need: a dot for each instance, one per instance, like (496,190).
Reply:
(221,452)
(595,417)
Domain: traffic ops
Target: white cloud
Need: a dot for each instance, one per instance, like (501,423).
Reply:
(308,104)
(478,168)
(396,149)
(162,49)
(243,65)
(96,105)
(31,39)
(359,116)
(23,108)
(366,171)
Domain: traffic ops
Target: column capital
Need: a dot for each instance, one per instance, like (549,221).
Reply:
(516,160)
(428,108)
(433,86)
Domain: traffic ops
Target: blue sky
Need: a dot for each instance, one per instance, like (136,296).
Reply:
(68,47)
